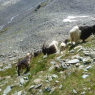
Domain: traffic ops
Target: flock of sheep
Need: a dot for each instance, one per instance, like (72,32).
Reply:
(77,33)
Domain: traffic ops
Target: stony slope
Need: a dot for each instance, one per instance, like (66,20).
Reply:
(45,23)
(69,73)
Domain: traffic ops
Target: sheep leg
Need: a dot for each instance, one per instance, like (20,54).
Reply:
(83,40)
(27,69)
(18,71)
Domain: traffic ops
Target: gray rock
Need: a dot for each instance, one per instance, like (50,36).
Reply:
(58,58)
(52,67)
(7,90)
(0,89)
(40,91)
(94,60)
(54,76)
(82,93)
(64,66)
(79,50)
(78,64)
(92,55)
(47,89)
(74,61)
(25,78)
(87,54)
(60,86)
(87,61)
(72,51)
(85,76)
(19,93)
(7,67)
(74,91)
(38,86)
(53,62)
(45,56)
(87,68)
(31,87)
(81,66)
(22,81)
(80,59)
(57,67)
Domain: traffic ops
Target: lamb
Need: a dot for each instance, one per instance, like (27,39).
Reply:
(81,32)
(24,63)
(50,49)
(63,45)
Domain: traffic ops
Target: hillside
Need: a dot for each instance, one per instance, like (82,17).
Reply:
(58,74)
(50,20)
(69,73)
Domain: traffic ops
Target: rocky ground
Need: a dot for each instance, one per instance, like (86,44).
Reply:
(48,21)
(69,73)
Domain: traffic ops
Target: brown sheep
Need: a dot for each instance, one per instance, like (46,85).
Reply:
(24,63)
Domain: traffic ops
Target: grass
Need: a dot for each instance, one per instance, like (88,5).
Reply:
(70,79)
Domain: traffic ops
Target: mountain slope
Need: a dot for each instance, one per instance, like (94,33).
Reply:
(45,23)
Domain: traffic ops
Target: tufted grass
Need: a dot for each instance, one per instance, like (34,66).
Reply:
(70,79)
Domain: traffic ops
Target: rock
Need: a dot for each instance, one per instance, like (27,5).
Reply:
(52,67)
(76,56)
(64,66)
(60,86)
(45,56)
(57,67)
(77,47)
(53,62)
(31,87)
(79,50)
(80,59)
(81,66)
(87,68)
(8,77)
(22,81)
(87,54)
(48,89)
(40,91)
(56,81)
(87,61)
(7,90)
(19,93)
(94,60)
(78,64)
(25,78)
(82,93)
(72,51)
(0,89)
(92,55)
(14,63)
(7,67)
(54,76)
(58,58)
(74,61)
(37,80)
(84,76)
(38,86)
(74,91)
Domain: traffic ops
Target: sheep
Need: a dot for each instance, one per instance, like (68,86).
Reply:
(50,49)
(37,52)
(63,45)
(81,32)
(86,31)
(24,63)
(75,34)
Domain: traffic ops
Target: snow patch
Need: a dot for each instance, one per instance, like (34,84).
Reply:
(73,18)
